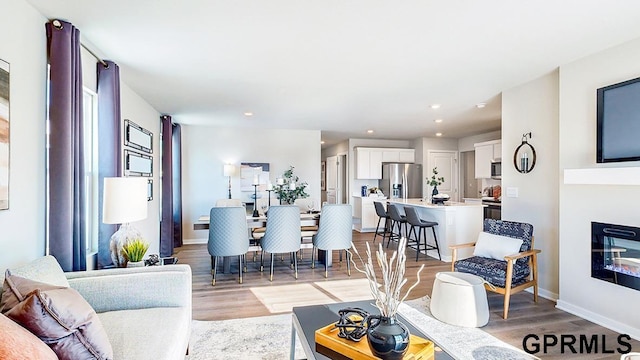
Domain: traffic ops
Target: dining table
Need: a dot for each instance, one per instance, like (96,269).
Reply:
(306,219)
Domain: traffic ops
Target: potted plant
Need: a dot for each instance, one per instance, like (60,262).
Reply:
(134,251)
(289,187)
(435,181)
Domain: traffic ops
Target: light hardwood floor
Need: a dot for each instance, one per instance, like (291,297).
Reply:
(228,299)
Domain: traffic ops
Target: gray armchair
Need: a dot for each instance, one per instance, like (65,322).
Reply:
(228,236)
(334,232)
(282,234)
(507,276)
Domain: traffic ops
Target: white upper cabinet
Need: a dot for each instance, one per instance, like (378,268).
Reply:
(369,160)
(407,155)
(486,152)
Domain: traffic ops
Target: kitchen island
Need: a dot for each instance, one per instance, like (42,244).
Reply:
(458,223)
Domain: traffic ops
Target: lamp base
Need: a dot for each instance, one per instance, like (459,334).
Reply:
(124,234)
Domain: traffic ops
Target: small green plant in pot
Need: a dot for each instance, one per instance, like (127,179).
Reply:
(134,252)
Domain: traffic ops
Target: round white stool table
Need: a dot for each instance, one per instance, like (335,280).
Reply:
(459,299)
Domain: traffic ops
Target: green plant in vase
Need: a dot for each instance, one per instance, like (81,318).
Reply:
(435,181)
(288,193)
(134,250)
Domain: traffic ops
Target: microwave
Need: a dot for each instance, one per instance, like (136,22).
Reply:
(496,169)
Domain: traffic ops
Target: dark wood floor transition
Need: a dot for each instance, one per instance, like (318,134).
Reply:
(228,300)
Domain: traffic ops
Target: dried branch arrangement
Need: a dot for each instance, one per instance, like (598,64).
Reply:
(387,293)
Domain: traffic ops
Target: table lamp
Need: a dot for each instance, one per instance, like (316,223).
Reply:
(124,201)
(228,171)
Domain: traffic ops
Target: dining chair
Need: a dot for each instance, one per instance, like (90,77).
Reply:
(282,235)
(228,236)
(228,202)
(334,232)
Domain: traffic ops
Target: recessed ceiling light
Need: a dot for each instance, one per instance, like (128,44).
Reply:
(435,106)
(438,134)
(321,142)
(438,120)
(369,131)
(481,105)
(248,113)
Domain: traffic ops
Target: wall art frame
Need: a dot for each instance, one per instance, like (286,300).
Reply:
(323,175)
(5,138)
(149,189)
(137,137)
(137,164)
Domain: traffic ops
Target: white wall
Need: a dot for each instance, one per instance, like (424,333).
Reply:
(24,48)
(533,107)
(599,301)
(206,149)
(466,143)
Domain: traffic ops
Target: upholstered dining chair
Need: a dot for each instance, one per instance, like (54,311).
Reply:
(228,236)
(504,257)
(282,235)
(334,232)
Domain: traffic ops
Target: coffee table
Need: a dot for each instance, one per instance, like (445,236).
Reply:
(307,319)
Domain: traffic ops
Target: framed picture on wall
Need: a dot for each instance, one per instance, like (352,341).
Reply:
(137,137)
(323,175)
(136,164)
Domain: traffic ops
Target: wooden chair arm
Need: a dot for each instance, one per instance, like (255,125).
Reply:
(460,246)
(522,254)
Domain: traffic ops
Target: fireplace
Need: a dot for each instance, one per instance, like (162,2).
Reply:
(615,254)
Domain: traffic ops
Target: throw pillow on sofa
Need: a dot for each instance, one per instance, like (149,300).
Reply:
(16,343)
(58,315)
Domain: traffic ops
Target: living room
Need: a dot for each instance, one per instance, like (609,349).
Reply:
(558,108)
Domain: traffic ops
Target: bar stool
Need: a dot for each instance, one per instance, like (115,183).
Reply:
(397,220)
(414,220)
(382,214)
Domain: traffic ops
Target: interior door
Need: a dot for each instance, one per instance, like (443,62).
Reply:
(447,164)
(332,179)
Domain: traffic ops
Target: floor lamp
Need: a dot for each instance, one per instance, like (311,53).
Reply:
(228,171)
(124,201)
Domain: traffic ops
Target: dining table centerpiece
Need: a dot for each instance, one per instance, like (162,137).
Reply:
(387,337)
(289,187)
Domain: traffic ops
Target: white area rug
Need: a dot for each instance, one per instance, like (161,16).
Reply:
(347,290)
(281,299)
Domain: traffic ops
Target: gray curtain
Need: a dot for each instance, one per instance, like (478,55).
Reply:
(167,222)
(65,180)
(109,147)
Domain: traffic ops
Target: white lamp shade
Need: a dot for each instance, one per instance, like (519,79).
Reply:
(124,200)
(229,170)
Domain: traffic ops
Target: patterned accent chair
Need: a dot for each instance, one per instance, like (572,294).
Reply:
(282,235)
(228,236)
(511,275)
(334,232)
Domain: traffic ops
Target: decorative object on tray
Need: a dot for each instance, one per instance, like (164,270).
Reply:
(134,251)
(439,199)
(289,187)
(387,337)
(435,182)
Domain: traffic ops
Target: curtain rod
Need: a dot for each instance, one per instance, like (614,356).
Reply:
(58,25)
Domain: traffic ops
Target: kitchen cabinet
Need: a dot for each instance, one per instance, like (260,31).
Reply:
(486,152)
(364,212)
(369,160)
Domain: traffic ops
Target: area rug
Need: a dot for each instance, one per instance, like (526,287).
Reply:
(269,338)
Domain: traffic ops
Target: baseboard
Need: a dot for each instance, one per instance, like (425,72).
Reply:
(194,241)
(544,293)
(599,319)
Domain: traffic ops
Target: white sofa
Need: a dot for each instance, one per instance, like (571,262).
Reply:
(146,312)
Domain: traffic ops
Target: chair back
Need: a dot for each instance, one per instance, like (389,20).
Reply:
(228,202)
(380,211)
(518,230)
(283,229)
(394,212)
(335,230)
(228,235)
(412,216)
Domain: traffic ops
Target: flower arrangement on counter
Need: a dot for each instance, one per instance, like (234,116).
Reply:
(435,181)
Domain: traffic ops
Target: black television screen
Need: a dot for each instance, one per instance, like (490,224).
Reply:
(618,112)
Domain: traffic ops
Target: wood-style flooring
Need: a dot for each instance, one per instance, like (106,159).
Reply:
(228,299)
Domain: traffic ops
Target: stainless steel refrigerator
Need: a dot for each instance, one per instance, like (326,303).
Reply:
(401,180)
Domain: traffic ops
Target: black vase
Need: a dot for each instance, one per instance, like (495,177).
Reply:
(387,337)
(434,192)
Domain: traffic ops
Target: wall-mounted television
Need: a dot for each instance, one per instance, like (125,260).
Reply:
(618,115)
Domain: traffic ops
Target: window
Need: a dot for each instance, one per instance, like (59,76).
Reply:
(90,117)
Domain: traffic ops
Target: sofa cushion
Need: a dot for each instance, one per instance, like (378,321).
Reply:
(17,343)
(45,269)
(58,315)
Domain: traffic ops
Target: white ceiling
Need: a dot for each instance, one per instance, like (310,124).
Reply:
(342,66)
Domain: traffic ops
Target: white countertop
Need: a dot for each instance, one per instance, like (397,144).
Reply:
(427,204)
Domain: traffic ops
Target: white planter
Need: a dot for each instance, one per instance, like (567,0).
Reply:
(131,264)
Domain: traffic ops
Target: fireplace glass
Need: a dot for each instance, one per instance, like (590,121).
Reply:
(615,254)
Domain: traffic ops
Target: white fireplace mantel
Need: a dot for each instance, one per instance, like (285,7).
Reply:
(602,176)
